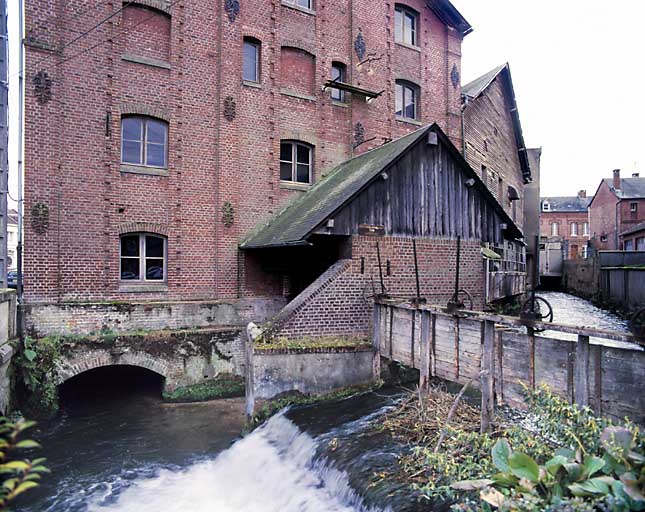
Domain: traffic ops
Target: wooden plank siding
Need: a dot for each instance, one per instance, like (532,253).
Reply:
(423,194)
(608,379)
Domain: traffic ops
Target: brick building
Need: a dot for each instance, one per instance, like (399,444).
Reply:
(168,131)
(565,220)
(617,207)
(633,239)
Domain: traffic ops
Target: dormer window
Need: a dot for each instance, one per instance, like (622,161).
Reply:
(546,207)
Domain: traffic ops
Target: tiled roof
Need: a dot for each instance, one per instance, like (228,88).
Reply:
(566,204)
(630,188)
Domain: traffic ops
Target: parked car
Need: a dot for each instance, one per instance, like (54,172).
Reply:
(12,279)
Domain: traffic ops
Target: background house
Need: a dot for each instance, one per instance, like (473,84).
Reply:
(565,220)
(617,207)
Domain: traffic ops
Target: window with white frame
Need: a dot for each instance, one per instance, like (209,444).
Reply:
(406,25)
(554,229)
(585,229)
(585,251)
(574,229)
(296,161)
(144,141)
(306,4)
(546,206)
(143,258)
(406,100)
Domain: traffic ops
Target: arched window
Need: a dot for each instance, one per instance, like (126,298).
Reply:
(338,74)
(144,141)
(251,60)
(297,70)
(406,25)
(406,100)
(146,33)
(296,161)
(143,257)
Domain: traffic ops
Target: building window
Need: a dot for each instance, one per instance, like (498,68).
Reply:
(574,229)
(307,4)
(546,206)
(338,74)
(143,258)
(640,243)
(251,60)
(585,251)
(407,100)
(296,162)
(554,229)
(585,229)
(144,141)
(628,245)
(406,23)
(603,238)
(633,209)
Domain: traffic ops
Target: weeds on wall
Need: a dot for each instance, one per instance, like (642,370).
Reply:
(35,365)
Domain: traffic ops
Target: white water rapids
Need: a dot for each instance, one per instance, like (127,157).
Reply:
(273,469)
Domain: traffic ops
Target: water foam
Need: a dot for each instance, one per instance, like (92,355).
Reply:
(273,469)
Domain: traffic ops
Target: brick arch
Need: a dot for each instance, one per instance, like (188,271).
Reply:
(159,5)
(104,358)
(143,227)
(299,44)
(143,109)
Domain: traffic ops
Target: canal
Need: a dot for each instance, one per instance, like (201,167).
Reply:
(116,447)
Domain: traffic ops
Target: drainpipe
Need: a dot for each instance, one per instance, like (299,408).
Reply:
(463,127)
(616,227)
(21,79)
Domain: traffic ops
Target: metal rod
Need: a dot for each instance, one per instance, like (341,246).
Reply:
(380,269)
(416,267)
(457,272)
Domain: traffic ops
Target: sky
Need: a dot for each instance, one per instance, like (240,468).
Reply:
(578,68)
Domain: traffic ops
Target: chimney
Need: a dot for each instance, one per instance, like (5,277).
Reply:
(582,194)
(635,175)
(617,179)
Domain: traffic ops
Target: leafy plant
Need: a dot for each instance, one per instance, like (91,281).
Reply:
(36,365)
(619,475)
(17,475)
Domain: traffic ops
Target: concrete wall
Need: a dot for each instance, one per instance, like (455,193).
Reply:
(311,371)
(581,277)
(7,333)
(86,318)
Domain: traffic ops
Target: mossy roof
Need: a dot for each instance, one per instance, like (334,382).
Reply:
(302,215)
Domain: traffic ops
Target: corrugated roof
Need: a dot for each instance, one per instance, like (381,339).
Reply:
(302,215)
(305,213)
(478,85)
(566,203)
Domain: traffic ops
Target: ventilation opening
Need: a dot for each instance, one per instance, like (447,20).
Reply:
(111,384)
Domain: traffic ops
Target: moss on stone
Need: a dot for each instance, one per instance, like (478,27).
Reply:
(269,407)
(225,385)
(310,343)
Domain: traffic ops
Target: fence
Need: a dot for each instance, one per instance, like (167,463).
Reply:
(622,278)
(500,354)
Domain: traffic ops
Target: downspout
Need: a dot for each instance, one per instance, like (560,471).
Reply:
(463,127)
(616,227)
(21,100)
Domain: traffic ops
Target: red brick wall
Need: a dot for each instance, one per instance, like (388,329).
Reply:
(343,307)
(602,218)
(297,70)
(490,142)
(629,219)
(564,220)
(72,142)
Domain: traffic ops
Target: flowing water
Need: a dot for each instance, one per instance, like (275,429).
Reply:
(132,453)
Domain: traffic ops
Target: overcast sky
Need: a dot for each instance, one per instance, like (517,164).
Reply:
(578,69)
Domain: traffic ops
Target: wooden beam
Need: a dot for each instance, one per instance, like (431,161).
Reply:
(581,373)
(424,342)
(487,374)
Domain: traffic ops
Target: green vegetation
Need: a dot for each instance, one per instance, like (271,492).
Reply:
(311,343)
(225,385)
(18,475)
(35,365)
(560,458)
(270,407)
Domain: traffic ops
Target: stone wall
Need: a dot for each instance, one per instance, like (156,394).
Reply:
(581,277)
(86,318)
(312,371)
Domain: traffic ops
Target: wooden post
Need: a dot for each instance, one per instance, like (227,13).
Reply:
(531,335)
(376,328)
(424,346)
(249,384)
(581,374)
(498,383)
(456,330)
(596,350)
(487,374)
